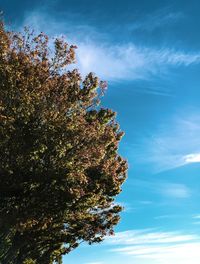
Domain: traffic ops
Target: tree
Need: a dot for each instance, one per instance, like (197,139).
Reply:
(59,169)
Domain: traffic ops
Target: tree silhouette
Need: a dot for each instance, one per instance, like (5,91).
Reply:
(59,168)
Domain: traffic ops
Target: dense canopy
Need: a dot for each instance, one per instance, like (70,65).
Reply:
(60,168)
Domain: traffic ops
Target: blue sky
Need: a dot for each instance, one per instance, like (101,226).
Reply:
(149,52)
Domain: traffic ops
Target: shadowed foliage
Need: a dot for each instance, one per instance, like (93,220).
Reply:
(59,167)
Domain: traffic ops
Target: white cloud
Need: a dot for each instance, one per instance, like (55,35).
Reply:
(175,143)
(156,20)
(196,217)
(165,217)
(176,190)
(161,247)
(168,190)
(196,223)
(138,237)
(112,61)
(192,158)
(129,62)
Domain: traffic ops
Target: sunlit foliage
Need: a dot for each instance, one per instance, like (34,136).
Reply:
(59,168)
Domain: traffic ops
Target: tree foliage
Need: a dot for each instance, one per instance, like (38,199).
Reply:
(60,168)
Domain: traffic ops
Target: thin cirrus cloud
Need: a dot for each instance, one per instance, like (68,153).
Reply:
(165,217)
(159,247)
(176,191)
(165,189)
(160,18)
(196,219)
(175,143)
(113,61)
(129,62)
(196,216)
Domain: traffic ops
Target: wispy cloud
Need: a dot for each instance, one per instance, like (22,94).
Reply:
(113,61)
(129,62)
(175,143)
(196,219)
(192,158)
(165,189)
(161,247)
(138,237)
(196,223)
(165,217)
(176,191)
(196,216)
(156,20)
